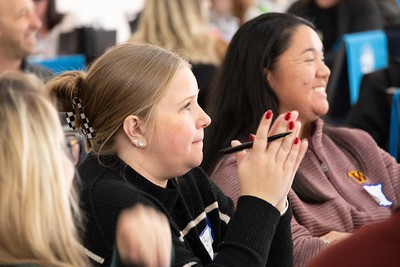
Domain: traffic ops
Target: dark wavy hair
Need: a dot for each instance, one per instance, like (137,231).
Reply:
(53,17)
(241,93)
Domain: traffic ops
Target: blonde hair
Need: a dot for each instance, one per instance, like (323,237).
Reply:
(128,79)
(178,25)
(37,213)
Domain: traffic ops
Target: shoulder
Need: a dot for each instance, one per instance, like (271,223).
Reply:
(103,187)
(360,141)
(351,134)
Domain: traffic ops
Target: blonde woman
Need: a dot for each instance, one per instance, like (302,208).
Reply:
(37,223)
(144,136)
(39,214)
(183,26)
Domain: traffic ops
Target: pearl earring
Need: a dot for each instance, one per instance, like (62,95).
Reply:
(141,143)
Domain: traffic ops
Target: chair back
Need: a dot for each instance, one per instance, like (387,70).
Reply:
(62,63)
(365,52)
(394,124)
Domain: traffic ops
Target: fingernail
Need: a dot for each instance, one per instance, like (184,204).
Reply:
(252,137)
(268,115)
(288,115)
(291,125)
(296,140)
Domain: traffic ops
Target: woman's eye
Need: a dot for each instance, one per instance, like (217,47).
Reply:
(187,106)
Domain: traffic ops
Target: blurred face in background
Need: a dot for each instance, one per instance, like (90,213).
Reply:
(19,25)
(222,7)
(326,3)
(41,9)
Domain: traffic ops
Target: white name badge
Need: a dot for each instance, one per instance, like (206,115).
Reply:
(376,192)
(207,239)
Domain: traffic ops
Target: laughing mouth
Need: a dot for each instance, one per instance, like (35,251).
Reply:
(319,89)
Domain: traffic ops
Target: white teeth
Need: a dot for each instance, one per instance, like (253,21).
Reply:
(319,89)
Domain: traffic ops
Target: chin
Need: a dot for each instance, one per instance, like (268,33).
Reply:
(196,162)
(322,110)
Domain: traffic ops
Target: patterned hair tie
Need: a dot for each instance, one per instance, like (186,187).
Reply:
(87,129)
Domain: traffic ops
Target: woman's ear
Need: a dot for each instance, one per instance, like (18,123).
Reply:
(133,129)
(267,75)
(269,78)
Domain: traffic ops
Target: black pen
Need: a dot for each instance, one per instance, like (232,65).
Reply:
(229,150)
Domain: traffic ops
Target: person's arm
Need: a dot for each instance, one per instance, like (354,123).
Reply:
(305,246)
(265,174)
(281,251)
(247,240)
(259,183)
(248,236)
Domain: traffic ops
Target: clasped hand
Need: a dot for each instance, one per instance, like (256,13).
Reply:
(267,170)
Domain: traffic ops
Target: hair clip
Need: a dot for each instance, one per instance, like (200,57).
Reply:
(87,129)
(71,120)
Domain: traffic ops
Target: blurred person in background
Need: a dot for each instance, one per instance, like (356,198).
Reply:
(390,12)
(19,26)
(333,18)
(228,15)
(53,23)
(183,26)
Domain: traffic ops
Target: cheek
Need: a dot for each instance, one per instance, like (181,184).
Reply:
(304,78)
(182,137)
(172,137)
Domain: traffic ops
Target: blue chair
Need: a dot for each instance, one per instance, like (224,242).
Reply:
(365,52)
(394,124)
(61,63)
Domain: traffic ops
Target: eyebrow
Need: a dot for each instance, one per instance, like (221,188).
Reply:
(312,50)
(21,11)
(189,97)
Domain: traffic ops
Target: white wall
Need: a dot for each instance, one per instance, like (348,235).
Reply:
(104,13)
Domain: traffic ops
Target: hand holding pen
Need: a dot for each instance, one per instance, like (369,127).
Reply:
(267,170)
(245,145)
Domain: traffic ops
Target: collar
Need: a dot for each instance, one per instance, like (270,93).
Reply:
(167,196)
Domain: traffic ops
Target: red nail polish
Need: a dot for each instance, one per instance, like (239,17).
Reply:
(291,125)
(288,115)
(252,137)
(296,140)
(268,115)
